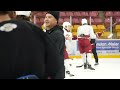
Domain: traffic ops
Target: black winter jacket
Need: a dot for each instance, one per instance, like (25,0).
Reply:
(25,49)
(57,34)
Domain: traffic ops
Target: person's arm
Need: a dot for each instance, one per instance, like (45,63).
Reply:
(92,37)
(60,41)
(98,34)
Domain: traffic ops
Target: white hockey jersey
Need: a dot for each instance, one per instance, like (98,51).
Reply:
(68,41)
(86,30)
(67,34)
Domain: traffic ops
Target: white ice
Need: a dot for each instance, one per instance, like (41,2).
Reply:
(108,68)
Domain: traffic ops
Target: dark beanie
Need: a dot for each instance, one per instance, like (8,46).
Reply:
(56,14)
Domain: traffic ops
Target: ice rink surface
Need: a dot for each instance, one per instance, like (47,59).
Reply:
(108,68)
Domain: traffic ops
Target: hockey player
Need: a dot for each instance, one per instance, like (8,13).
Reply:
(23,15)
(67,34)
(84,34)
(68,38)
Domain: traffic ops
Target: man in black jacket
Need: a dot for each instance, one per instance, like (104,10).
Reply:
(56,33)
(26,50)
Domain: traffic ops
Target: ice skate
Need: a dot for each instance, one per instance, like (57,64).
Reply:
(85,66)
(68,72)
(89,67)
(96,64)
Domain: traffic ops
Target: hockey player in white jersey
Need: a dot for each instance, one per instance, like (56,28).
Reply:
(68,38)
(84,34)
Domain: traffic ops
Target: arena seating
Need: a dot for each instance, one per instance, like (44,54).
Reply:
(117,28)
(116,13)
(84,14)
(118,35)
(61,20)
(95,28)
(107,22)
(75,21)
(105,35)
(66,19)
(68,14)
(100,28)
(62,14)
(108,13)
(93,13)
(97,23)
(77,14)
(75,27)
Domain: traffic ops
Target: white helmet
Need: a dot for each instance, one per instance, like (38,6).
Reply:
(26,13)
(66,24)
(84,21)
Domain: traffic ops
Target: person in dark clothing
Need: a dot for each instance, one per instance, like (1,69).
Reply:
(26,50)
(93,42)
(56,33)
(23,15)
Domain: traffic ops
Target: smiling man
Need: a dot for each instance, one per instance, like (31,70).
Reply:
(56,33)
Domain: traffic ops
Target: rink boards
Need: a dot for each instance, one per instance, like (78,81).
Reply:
(106,48)
(100,56)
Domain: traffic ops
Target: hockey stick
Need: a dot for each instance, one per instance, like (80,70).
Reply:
(112,26)
(109,28)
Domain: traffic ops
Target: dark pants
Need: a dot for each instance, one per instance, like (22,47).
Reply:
(95,54)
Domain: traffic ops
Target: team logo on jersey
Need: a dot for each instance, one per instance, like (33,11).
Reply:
(8,27)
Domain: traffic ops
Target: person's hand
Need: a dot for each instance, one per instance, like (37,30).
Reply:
(98,34)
